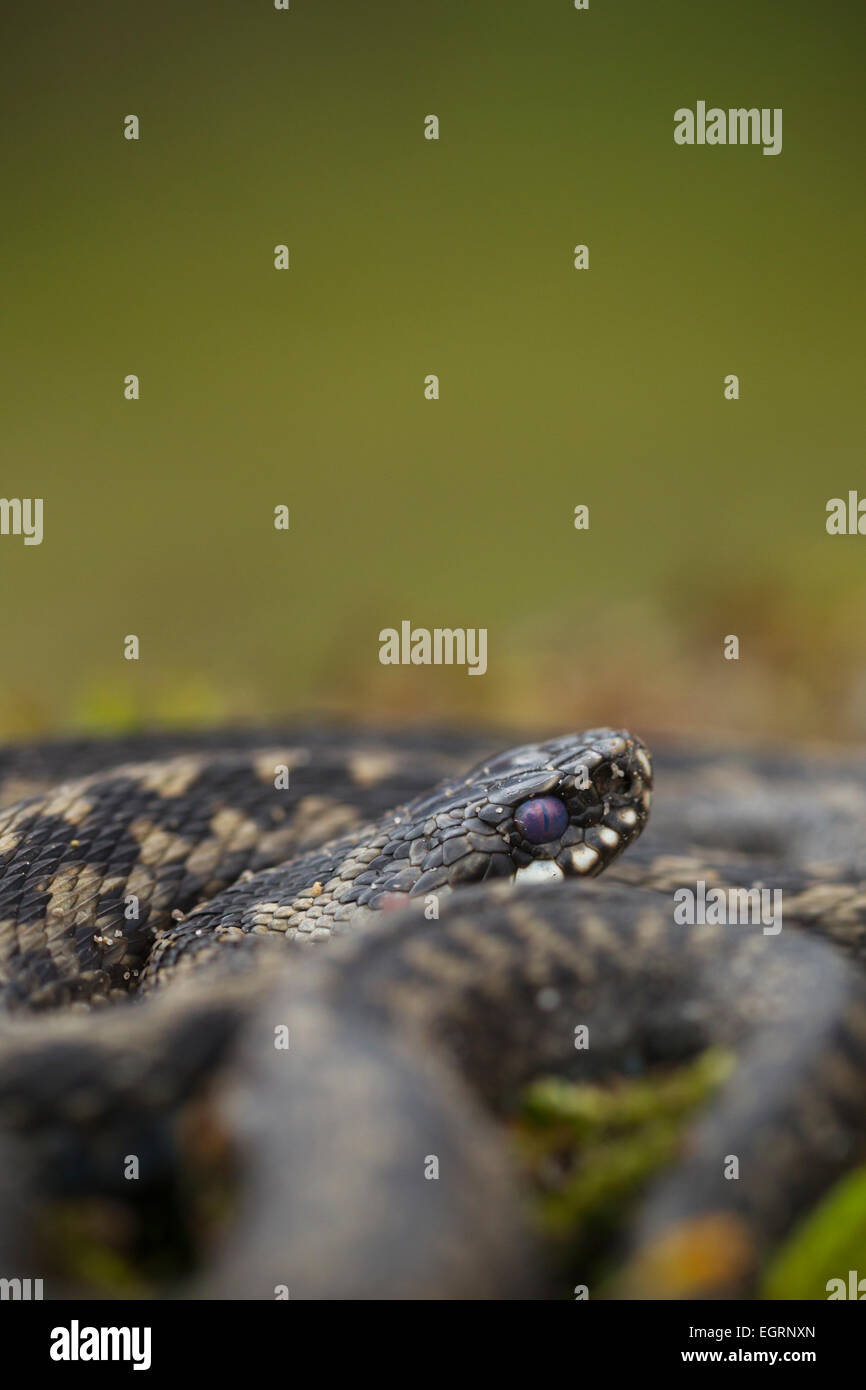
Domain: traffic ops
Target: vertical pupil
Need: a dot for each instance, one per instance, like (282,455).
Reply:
(540,819)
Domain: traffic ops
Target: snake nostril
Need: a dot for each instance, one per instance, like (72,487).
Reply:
(614,778)
(605,779)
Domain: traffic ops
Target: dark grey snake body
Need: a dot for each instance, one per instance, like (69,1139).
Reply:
(347,1102)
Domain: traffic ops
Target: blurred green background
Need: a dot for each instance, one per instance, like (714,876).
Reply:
(411,257)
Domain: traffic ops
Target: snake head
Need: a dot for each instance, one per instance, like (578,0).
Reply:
(571,805)
(567,806)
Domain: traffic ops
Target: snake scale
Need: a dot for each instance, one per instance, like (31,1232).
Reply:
(179,1058)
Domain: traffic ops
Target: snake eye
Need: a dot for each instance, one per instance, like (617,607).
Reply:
(540,819)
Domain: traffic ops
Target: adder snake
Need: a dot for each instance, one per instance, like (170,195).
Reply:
(167,1051)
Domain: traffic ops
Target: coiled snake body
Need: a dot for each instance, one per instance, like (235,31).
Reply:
(165,1046)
